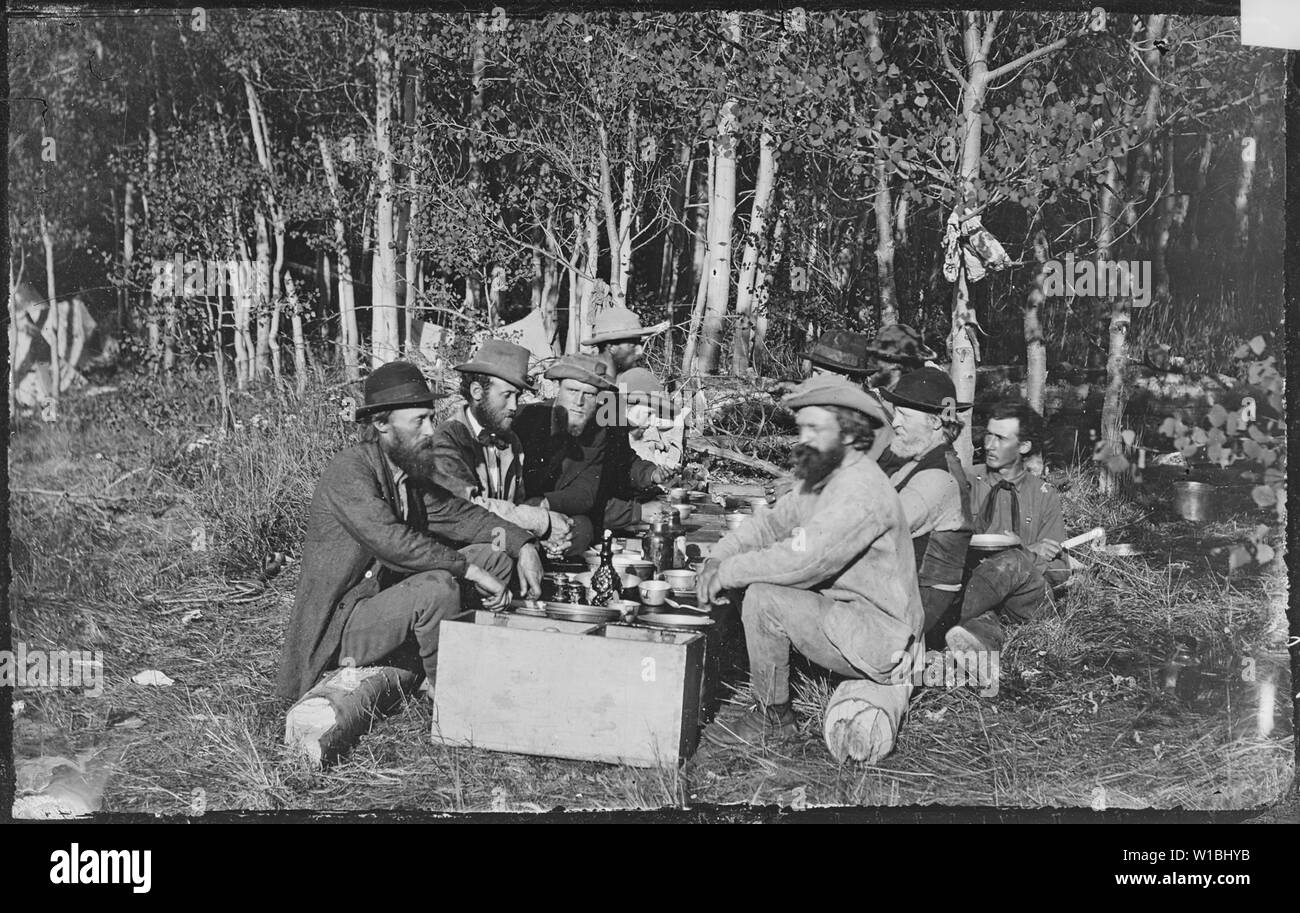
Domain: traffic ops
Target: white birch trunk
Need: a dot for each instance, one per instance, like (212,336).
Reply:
(383,275)
(755,242)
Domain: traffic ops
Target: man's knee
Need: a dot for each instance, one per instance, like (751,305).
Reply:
(761,602)
(435,591)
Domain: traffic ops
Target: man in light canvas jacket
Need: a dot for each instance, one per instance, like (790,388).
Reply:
(829,570)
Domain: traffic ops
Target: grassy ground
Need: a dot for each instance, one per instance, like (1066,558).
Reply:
(116,564)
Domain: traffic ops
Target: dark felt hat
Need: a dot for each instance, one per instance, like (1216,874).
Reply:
(900,343)
(498,358)
(926,390)
(842,351)
(396,385)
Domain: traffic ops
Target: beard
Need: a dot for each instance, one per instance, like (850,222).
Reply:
(414,457)
(494,421)
(905,449)
(813,465)
(578,422)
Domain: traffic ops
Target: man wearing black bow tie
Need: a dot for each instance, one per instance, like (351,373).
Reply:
(477,454)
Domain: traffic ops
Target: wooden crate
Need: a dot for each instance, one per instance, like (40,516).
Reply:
(612,693)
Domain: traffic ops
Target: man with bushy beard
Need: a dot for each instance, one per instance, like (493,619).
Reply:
(933,487)
(479,456)
(387,550)
(828,570)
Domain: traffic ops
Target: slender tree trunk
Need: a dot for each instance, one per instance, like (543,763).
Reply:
(299,339)
(473,183)
(153,327)
(54,322)
(225,417)
(887,294)
(755,244)
(1112,410)
(383,273)
(128,256)
(348,330)
(704,240)
(722,208)
(1035,346)
(409,236)
(627,212)
(766,271)
(576,282)
(278,278)
(588,310)
(1138,187)
(961,339)
(262,364)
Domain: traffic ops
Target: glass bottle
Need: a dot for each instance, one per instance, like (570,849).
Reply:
(604,580)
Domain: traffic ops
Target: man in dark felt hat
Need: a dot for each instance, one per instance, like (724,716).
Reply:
(477,454)
(387,550)
(932,484)
(579,466)
(829,570)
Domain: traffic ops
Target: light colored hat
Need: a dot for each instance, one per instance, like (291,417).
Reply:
(641,387)
(498,358)
(834,390)
(585,368)
(613,324)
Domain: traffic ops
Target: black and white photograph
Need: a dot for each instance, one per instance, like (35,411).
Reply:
(510,411)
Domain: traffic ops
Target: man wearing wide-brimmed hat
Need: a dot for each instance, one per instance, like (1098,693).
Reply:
(932,484)
(580,466)
(828,570)
(619,338)
(477,453)
(387,549)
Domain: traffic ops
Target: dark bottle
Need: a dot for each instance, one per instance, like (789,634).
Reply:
(604,580)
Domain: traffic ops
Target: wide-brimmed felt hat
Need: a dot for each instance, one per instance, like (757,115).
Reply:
(396,385)
(900,343)
(585,368)
(926,390)
(831,390)
(842,351)
(498,358)
(617,323)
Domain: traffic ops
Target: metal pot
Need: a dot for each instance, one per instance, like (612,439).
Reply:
(1194,501)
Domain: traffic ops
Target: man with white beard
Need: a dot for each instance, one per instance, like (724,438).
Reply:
(933,487)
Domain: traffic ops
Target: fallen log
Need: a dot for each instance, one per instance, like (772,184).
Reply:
(701,445)
(329,719)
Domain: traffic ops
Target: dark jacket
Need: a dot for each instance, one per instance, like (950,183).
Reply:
(462,471)
(596,475)
(941,554)
(355,526)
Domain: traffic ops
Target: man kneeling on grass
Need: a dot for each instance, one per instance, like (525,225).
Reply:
(829,569)
(387,551)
